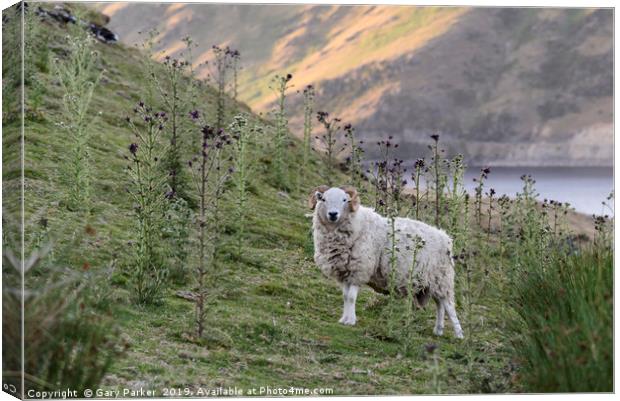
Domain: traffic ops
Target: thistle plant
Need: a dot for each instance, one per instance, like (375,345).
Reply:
(504,225)
(457,194)
(490,195)
(170,90)
(36,54)
(416,175)
(438,178)
(484,174)
(150,193)
(78,78)
(236,57)
(534,233)
(387,178)
(603,228)
(417,244)
(308,94)
(328,141)
(354,159)
(604,224)
(280,84)
(224,59)
(210,178)
(176,235)
(149,64)
(191,99)
(556,212)
(241,132)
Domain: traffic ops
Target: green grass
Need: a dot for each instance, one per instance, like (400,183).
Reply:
(566,312)
(274,320)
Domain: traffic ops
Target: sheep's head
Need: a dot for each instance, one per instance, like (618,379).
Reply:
(334,204)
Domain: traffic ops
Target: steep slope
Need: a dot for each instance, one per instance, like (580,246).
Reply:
(506,86)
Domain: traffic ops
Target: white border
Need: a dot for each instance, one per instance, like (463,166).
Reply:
(478,3)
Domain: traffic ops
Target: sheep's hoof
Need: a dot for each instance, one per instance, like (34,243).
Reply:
(347,321)
(459,335)
(438,331)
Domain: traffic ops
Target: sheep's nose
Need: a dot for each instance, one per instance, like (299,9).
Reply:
(333,216)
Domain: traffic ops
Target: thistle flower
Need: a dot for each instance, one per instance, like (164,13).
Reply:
(208,132)
(133,148)
(435,137)
(194,114)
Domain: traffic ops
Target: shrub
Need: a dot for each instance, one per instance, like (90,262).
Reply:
(67,343)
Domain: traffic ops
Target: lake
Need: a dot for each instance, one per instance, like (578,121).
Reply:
(583,187)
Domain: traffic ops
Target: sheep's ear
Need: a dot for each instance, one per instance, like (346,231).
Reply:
(314,195)
(354,199)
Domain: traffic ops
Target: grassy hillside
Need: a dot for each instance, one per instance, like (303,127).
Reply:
(273,320)
(488,78)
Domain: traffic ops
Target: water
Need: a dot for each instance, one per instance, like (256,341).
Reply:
(583,187)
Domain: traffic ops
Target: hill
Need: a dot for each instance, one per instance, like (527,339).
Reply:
(272,323)
(506,86)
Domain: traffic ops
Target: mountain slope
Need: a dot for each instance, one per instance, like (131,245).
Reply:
(506,86)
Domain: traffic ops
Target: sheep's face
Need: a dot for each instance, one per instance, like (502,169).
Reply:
(333,205)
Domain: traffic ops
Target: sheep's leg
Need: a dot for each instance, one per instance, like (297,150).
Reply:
(449,307)
(438,331)
(345,308)
(350,296)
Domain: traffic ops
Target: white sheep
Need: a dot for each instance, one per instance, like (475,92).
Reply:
(352,245)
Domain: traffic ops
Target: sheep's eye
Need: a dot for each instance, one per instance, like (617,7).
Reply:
(344,200)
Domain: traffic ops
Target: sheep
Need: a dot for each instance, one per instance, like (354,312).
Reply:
(351,245)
